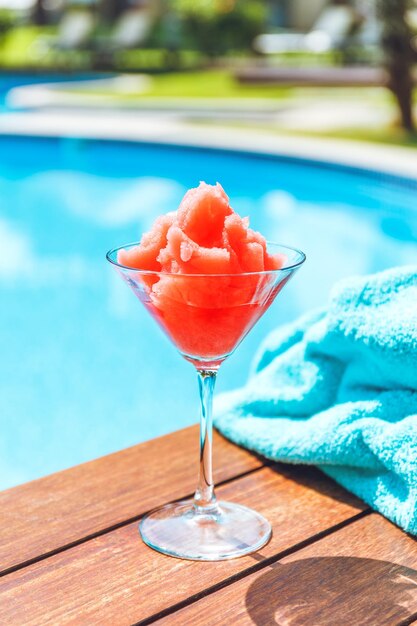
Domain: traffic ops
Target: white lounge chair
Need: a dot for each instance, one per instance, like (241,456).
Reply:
(74,30)
(330,32)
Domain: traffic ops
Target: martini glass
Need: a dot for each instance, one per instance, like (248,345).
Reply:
(206,316)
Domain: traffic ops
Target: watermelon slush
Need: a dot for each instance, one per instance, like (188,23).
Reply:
(210,276)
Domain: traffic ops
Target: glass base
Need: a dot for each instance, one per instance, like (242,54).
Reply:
(185,531)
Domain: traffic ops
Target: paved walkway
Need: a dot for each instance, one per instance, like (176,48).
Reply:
(142,126)
(302,109)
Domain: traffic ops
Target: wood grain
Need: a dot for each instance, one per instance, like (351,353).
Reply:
(363,575)
(43,515)
(115,579)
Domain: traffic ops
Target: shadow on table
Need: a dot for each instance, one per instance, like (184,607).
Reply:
(330,591)
(312,478)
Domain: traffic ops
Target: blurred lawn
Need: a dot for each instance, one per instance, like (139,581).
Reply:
(215,84)
(209,84)
(27,47)
(220,84)
(21,47)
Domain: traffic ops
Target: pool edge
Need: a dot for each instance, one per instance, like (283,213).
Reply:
(398,162)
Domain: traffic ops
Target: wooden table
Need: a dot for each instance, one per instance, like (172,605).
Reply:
(70,552)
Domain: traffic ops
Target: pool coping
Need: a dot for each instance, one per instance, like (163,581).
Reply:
(378,159)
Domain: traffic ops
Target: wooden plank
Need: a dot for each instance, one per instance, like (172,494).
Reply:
(43,515)
(366,573)
(115,579)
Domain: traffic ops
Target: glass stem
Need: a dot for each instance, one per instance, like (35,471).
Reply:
(204,497)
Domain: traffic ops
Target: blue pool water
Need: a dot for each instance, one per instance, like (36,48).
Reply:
(84,370)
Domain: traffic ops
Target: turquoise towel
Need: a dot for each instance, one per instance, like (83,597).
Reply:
(338,389)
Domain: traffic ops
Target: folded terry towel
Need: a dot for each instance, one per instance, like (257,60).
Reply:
(338,389)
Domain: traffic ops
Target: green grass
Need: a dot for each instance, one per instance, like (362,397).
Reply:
(15,46)
(209,84)
(222,84)
(393,136)
(196,84)
(27,47)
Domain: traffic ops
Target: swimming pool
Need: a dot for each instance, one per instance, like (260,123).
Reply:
(84,370)
(11,80)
